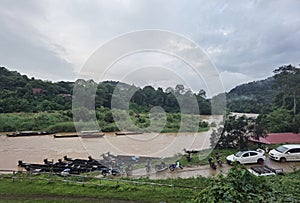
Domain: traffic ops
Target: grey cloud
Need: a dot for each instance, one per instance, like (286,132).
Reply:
(249,38)
(22,46)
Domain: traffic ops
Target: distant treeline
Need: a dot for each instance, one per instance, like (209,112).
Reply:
(276,99)
(18,93)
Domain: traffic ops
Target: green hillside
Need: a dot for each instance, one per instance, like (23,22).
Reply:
(18,93)
(253,97)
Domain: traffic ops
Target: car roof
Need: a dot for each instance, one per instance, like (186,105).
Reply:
(248,151)
(290,146)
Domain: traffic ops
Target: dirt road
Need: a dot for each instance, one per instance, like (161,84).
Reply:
(206,171)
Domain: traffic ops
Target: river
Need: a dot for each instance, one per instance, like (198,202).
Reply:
(37,148)
(34,149)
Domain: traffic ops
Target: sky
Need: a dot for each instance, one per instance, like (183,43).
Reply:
(243,40)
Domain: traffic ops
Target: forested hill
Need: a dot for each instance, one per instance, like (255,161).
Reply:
(18,93)
(253,97)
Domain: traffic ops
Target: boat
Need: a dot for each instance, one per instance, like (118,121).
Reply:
(127,133)
(91,134)
(75,166)
(28,133)
(64,135)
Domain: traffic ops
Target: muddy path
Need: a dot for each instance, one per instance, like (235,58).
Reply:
(207,171)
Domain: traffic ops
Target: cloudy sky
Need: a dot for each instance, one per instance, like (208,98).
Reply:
(245,40)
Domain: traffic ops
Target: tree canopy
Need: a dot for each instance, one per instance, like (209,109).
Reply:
(18,93)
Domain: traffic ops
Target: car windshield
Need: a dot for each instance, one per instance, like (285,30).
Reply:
(238,154)
(281,149)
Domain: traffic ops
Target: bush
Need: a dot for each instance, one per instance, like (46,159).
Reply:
(239,186)
(62,127)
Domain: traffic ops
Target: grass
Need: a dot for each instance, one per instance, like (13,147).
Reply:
(45,188)
(21,189)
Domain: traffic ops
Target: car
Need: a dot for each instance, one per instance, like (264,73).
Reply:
(65,172)
(265,171)
(288,152)
(247,157)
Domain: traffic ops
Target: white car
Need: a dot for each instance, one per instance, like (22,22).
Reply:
(285,153)
(247,157)
(65,172)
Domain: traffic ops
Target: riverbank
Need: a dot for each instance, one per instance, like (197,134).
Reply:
(63,121)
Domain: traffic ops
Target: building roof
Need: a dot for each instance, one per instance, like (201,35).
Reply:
(278,138)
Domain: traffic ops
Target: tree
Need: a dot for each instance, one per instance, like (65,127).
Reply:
(288,79)
(238,130)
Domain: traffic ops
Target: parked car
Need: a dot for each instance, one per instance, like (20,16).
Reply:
(265,171)
(247,157)
(65,172)
(285,153)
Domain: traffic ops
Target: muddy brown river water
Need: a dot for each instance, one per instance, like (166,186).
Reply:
(36,148)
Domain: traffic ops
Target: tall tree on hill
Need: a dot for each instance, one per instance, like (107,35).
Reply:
(288,79)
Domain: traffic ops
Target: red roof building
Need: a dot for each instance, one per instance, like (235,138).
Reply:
(278,138)
(37,91)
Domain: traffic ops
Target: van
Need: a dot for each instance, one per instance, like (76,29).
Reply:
(285,153)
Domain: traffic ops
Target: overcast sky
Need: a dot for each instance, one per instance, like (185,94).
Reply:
(246,40)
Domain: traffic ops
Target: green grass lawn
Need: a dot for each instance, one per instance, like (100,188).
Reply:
(24,190)
(46,188)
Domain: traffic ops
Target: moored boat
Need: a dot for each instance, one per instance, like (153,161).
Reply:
(128,133)
(91,134)
(28,133)
(65,135)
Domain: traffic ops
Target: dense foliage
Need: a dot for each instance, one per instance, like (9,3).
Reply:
(253,97)
(18,93)
(236,132)
(62,121)
(284,114)
(276,99)
(241,186)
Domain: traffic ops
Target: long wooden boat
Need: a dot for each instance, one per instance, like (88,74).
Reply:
(65,135)
(28,133)
(127,133)
(75,166)
(91,134)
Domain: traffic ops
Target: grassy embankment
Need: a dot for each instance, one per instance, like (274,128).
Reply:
(239,186)
(62,121)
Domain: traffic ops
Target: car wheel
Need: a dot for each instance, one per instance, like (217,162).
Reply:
(282,159)
(260,161)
